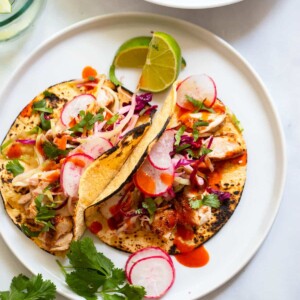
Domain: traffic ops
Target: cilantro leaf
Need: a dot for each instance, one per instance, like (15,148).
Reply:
(14,167)
(95,274)
(199,105)
(178,135)
(83,254)
(150,205)
(45,124)
(85,282)
(113,119)
(195,128)
(133,292)
(211,200)
(182,147)
(208,200)
(34,288)
(44,213)
(87,121)
(52,152)
(91,78)
(27,231)
(42,106)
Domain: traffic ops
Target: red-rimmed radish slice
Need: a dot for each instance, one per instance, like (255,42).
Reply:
(72,108)
(159,155)
(94,146)
(152,181)
(155,274)
(200,87)
(143,253)
(71,172)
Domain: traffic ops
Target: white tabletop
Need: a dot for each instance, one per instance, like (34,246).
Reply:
(266,33)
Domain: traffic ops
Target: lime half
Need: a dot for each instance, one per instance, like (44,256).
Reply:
(162,64)
(5,7)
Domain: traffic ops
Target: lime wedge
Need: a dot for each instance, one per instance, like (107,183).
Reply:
(5,7)
(133,53)
(162,65)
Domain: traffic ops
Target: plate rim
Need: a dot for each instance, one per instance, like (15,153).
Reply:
(196,6)
(268,99)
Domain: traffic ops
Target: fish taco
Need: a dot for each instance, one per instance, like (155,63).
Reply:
(181,188)
(58,136)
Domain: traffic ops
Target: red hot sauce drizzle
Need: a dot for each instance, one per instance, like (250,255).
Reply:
(189,257)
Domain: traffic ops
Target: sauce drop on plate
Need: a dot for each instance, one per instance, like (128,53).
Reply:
(194,259)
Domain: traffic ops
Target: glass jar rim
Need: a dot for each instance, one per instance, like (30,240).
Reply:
(20,12)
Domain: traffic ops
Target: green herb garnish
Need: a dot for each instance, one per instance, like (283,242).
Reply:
(87,121)
(52,152)
(93,273)
(29,232)
(195,128)
(34,288)
(211,200)
(42,106)
(150,205)
(113,119)
(91,78)
(236,122)
(14,167)
(199,152)
(178,135)
(35,130)
(45,124)
(182,147)
(44,213)
(199,105)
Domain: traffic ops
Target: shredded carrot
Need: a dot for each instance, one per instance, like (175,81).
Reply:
(88,72)
(14,151)
(61,143)
(27,111)
(72,122)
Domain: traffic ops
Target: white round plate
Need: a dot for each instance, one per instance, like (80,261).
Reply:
(94,42)
(193,4)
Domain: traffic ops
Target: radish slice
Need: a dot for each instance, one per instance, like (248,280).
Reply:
(143,253)
(155,274)
(200,87)
(152,181)
(159,155)
(93,146)
(71,172)
(72,108)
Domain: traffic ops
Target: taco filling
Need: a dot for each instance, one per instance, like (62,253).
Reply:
(186,188)
(55,138)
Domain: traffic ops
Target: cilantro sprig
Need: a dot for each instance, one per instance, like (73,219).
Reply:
(34,288)
(178,135)
(44,213)
(199,105)
(150,205)
(14,167)
(87,121)
(93,273)
(211,200)
(197,153)
(195,128)
(51,151)
(42,108)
